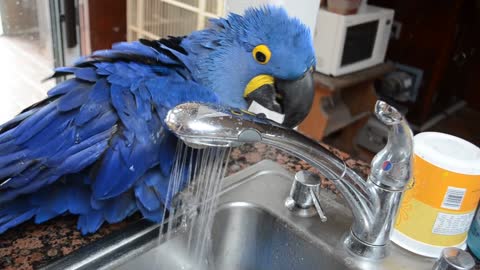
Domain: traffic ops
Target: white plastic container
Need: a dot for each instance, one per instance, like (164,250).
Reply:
(437,212)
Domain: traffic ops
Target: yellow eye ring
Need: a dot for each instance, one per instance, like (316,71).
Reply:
(261,54)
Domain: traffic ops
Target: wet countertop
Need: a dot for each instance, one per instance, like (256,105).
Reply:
(31,246)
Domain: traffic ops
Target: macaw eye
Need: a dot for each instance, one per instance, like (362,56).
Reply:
(262,54)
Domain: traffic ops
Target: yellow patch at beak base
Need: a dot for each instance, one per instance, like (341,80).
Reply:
(256,83)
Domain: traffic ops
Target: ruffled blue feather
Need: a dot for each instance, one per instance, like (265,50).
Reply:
(97,148)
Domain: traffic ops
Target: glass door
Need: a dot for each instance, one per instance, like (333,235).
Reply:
(33,40)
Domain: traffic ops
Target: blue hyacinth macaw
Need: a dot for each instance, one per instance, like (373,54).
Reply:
(97,146)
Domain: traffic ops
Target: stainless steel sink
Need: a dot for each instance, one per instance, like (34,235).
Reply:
(252,230)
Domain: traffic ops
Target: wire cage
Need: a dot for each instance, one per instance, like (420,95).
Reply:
(153,19)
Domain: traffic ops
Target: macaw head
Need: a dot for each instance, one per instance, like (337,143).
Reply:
(261,61)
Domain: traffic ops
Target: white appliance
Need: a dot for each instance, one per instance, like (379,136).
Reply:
(348,43)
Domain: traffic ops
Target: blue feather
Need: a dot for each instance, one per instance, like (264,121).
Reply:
(6,137)
(136,48)
(155,215)
(96,204)
(44,214)
(12,169)
(50,135)
(63,88)
(35,123)
(105,121)
(86,74)
(78,161)
(73,99)
(16,219)
(98,101)
(79,200)
(7,159)
(144,192)
(119,208)
(96,143)
(90,222)
(17,180)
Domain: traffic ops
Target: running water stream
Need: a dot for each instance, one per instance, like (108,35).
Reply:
(195,184)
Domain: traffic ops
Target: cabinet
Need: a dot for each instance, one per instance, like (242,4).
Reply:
(342,103)
(440,37)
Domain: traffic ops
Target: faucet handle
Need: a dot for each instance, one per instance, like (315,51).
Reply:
(303,199)
(391,168)
(316,202)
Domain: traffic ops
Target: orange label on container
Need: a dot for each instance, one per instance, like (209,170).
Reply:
(439,208)
(440,188)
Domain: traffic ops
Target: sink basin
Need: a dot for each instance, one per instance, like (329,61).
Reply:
(251,230)
(245,237)
(249,237)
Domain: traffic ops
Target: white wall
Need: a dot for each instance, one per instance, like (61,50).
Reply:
(305,10)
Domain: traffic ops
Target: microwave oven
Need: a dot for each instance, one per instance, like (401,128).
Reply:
(348,43)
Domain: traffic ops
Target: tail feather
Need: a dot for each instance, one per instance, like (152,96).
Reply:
(91,222)
(15,213)
(73,195)
(42,215)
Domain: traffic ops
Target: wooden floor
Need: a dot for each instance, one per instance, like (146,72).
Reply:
(465,123)
(22,68)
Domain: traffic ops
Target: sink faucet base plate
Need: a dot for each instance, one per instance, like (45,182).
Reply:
(296,210)
(362,249)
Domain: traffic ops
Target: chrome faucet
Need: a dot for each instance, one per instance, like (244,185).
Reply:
(374,202)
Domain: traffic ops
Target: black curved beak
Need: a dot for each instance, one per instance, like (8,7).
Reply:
(286,102)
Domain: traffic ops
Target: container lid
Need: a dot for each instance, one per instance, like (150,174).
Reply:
(448,152)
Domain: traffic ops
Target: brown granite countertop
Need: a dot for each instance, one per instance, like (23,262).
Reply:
(31,246)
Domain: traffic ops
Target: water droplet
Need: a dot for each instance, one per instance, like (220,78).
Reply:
(132,168)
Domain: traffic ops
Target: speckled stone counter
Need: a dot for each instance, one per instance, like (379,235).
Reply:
(31,246)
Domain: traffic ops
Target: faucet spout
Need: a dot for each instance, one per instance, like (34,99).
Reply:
(373,202)
(200,125)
